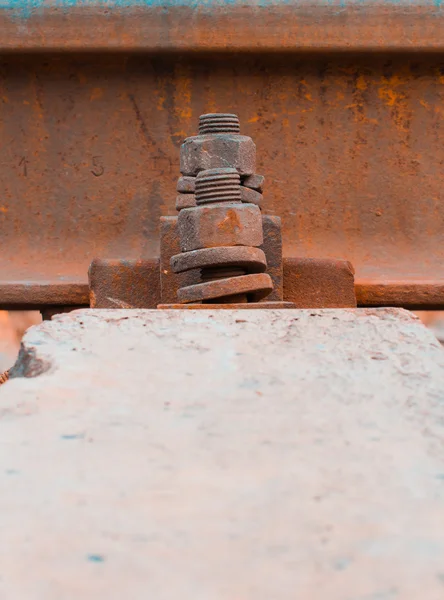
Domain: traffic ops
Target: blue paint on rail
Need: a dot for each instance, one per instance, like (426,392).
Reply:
(28,8)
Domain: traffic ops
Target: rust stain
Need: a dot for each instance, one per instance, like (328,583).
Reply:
(96,94)
(392,92)
(389,96)
(230,223)
(180,134)
(361,83)
(161,102)
(182,93)
(211,105)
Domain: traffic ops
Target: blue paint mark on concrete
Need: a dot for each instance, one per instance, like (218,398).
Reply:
(96,558)
(342,563)
(72,436)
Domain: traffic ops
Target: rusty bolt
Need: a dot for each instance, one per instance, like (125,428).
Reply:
(220,236)
(222,225)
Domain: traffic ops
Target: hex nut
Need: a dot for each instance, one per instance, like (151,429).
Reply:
(209,226)
(250,196)
(203,152)
(186,185)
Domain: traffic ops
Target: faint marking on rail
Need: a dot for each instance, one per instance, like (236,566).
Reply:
(149,140)
(24,163)
(98,169)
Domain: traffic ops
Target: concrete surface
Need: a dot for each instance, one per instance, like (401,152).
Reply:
(224,455)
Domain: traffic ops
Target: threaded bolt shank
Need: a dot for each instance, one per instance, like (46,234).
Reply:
(218,123)
(218,185)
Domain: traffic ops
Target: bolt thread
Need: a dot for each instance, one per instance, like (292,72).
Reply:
(218,185)
(218,123)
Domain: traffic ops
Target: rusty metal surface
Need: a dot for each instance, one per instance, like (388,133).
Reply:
(412,294)
(170,282)
(272,247)
(319,283)
(302,26)
(89,160)
(306,282)
(117,283)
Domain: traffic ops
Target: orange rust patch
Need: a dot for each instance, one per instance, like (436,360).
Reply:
(96,94)
(231,222)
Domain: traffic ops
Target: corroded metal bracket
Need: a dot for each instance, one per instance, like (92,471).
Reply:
(306,283)
(220,250)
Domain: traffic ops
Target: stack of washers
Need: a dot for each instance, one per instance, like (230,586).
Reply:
(220,222)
